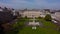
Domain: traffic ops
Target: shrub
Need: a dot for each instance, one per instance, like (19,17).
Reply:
(39,17)
(48,17)
(25,16)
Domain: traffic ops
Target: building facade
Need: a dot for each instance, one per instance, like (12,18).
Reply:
(31,14)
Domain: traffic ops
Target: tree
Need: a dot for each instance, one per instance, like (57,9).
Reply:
(0,7)
(1,29)
(47,10)
(25,16)
(39,17)
(5,9)
(25,9)
(6,18)
(48,17)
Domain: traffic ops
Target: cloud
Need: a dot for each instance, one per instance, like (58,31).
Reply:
(52,4)
(31,3)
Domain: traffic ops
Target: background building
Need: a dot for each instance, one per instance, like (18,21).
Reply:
(35,13)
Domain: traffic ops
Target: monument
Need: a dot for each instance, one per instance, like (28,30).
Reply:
(34,24)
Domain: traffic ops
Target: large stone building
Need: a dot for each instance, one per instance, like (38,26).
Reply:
(57,15)
(33,13)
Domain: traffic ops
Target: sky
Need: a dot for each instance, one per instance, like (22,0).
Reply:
(31,4)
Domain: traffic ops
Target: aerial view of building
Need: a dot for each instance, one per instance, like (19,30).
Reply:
(29,16)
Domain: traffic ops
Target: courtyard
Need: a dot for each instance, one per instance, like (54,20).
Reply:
(46,27)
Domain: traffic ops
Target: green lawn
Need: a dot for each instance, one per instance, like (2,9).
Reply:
(29,30)
(49,27)
(48,23)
